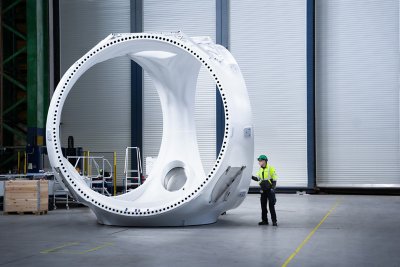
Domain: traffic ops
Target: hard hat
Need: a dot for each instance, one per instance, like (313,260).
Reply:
(262,157)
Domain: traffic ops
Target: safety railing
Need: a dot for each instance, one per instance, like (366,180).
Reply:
(97,172)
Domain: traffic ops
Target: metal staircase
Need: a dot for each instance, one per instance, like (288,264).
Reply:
(61,193)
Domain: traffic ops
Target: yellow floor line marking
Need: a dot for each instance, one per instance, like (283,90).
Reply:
(310,235)
(58,248)
(97,248)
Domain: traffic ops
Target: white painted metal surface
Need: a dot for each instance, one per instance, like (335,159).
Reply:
(177,191)
(194,18)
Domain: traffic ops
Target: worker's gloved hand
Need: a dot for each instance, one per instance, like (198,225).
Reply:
(254,178)
(273,184)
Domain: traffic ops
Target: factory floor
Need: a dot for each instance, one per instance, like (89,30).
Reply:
(314,230)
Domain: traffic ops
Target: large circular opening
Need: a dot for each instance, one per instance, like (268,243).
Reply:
(175,179)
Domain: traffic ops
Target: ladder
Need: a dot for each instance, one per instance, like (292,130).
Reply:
(133,177)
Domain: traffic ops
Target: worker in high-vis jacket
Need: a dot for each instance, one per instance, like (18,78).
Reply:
(266,177)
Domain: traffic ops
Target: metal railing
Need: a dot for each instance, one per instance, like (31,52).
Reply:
(97,172)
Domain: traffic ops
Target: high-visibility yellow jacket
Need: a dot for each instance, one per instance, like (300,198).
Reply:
(267,173)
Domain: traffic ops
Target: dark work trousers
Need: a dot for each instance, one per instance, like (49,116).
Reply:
(267,197)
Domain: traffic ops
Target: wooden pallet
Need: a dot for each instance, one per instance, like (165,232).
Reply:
(26,196)
(25,212)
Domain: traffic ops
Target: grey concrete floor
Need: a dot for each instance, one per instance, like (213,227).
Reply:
(361,231)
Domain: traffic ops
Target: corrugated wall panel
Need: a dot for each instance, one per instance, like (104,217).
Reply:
(357,93)
(268,39)
(194,18)
(97,111)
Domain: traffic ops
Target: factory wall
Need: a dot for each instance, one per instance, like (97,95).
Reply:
(97,111)
(271,52)
(356,74)
(357,93)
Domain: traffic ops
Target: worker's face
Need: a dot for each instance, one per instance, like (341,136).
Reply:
(262,163)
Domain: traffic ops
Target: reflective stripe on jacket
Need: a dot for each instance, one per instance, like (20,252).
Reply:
(267,173)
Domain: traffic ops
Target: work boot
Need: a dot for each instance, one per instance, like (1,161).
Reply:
(274,224)
(263,223)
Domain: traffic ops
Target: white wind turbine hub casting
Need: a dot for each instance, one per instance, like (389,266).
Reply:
(177,191)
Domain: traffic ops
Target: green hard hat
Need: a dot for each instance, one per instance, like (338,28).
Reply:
(262,157)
